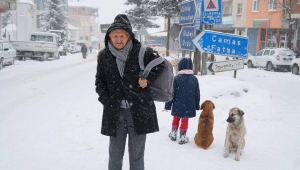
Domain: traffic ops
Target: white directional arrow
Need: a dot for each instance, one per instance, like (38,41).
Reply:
(225,65)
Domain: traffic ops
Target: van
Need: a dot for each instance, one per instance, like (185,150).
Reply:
(78,45)
(159,48)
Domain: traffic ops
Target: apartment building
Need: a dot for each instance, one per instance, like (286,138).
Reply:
(296,14)
(267,24)
(85,17)
(234,13)
(263,21)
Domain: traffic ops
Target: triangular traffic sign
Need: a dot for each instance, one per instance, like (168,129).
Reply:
(211,5)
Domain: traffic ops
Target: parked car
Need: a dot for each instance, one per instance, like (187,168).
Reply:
(272,58)
(246,59)
(78,45)
(7,53)
(295,65)
(161,50)
(71,48)
(211,58)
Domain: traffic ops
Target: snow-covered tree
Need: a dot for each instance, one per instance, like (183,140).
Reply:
(141,13)
(5,18)
(55,16)
(166,9)
(150,8)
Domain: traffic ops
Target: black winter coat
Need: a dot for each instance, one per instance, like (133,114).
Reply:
(112,88)
(83,49)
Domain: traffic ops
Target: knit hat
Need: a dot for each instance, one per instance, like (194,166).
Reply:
(185,63)
(121,22)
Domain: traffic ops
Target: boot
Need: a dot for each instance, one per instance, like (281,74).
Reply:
(173,134)
(182,138)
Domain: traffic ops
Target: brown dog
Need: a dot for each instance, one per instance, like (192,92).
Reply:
(204,138)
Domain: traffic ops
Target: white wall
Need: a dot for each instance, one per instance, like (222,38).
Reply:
(26,19)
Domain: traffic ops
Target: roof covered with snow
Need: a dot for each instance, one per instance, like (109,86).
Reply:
(159,34)
(79,3)
(72,27)
(26,2)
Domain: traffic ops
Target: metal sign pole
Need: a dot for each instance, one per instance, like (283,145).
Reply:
(234,74)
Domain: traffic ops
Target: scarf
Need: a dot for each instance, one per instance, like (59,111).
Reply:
(186,72)
(121,55)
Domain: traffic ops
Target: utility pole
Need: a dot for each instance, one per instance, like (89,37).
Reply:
(197,57)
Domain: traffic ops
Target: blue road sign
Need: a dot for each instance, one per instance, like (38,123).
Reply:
(186,36)
(222,44)
(211,12)
(187,13)
(198,15)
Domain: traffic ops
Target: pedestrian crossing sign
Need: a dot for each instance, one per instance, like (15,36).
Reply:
(211,5)
(211,12)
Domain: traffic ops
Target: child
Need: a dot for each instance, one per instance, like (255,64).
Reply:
(186,99)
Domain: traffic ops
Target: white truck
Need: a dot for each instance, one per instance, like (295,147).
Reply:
(41,45)
(62,41)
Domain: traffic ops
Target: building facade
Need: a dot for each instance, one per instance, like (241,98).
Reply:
(85,17)
(264,22)
(296,14)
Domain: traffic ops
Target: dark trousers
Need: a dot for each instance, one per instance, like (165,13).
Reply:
(84,55)
(136,144)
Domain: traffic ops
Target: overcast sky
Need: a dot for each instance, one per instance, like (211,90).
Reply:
(109,9)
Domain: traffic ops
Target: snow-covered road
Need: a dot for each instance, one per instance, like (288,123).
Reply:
(50,119)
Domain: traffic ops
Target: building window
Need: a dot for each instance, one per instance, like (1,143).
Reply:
(271,40)
(239,9)
(255,5)
(73,34)
(272,5)
(227,8)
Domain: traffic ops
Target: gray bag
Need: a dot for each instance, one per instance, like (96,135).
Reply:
(162,88)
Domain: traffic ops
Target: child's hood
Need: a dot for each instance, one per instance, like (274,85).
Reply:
(185,64)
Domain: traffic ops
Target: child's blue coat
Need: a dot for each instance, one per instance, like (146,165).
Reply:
(186,92)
